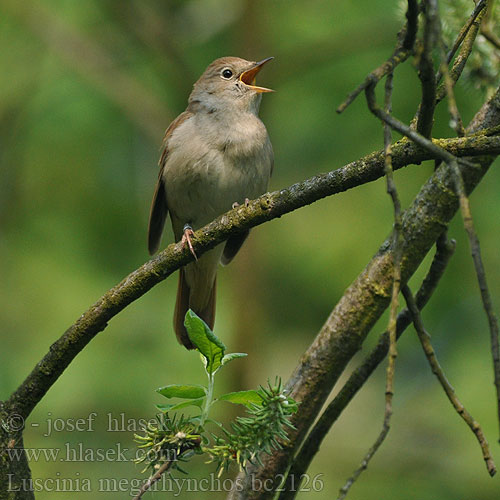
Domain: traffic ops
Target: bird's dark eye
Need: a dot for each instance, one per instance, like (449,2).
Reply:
(227,74)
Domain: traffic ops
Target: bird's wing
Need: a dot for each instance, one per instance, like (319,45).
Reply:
(233,244)
(159,205)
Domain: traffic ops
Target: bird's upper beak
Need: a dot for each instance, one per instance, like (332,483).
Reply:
(248,76)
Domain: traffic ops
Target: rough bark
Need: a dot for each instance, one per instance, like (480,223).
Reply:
(362,305)
(343,333)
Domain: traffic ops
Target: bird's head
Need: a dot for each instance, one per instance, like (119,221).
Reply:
(229,82)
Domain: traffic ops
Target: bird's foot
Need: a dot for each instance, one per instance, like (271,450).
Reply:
(236,204)
(186,238)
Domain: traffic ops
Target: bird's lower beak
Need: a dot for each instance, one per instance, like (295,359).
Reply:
(248,77)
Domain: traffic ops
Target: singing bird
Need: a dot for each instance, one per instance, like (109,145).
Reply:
(215,155)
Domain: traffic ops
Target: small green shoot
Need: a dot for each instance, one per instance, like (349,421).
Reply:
(262,430)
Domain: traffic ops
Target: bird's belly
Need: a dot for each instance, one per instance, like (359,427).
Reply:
(199,191)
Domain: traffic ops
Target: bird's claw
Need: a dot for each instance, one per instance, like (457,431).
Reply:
(236,204)
(186,238)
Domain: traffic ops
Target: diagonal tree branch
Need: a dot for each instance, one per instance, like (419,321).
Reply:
(444,251)
(267,207)
(363,303)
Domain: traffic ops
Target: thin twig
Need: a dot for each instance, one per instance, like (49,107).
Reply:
(424,338)
(464,53)
(456,119)
(364,464)
(402,51)
(424,126)
(322,364)
(462,34)
(487,27)
(473,238)
(392,326)
(350,321)
(157,475)
(425,114)
(404,129)
(428,89)
(490,36)
(452,161)
(444,250)
(481,276)
(397,242)
(267,207)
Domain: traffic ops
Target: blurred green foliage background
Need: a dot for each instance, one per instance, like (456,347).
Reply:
(86,92)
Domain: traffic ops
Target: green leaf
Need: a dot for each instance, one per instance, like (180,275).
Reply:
(183,404)
(182,391)
(205,341)
(242,397)
(231,356)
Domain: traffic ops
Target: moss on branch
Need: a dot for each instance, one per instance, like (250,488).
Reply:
(368,296)
(265,208)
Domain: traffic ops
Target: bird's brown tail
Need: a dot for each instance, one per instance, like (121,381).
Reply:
(207,314)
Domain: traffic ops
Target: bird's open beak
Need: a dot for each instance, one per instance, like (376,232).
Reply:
(248,77)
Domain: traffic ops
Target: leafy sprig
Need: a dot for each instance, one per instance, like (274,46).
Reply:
(178,437)
(261,431)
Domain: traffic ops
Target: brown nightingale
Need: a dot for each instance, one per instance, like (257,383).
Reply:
(215,155)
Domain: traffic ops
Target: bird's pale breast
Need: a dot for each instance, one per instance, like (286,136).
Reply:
(206,172)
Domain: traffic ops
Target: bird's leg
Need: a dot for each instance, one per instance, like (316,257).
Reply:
(186,238)
(236,204)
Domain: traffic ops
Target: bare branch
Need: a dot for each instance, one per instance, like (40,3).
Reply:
(464,53)
(389,391)
(397,245)
(361,305)
(452,162)
(444,251)
(481,277)
(396,285)
(463,32)
(267,207)
(405,129)
(432,33)
(424,338)
(155,477)
(402,51)
(474,243)
(456,119)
